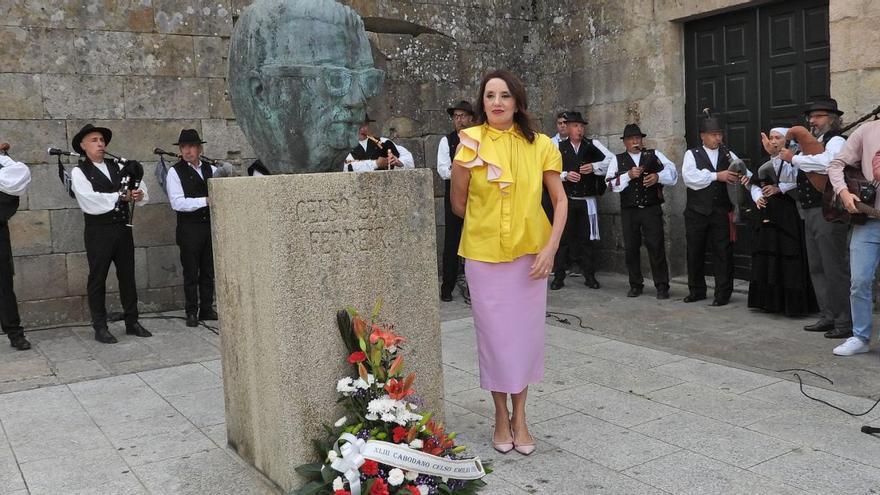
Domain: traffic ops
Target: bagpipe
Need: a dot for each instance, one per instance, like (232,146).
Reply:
(386,149)
(856,183)
(224,169)
(132,175)
(736,192)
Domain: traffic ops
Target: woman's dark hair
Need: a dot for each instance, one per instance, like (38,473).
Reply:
(521,117)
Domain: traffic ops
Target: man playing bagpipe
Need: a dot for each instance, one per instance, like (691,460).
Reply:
(584,162)
(14,179)
(639,175)
(106,191)
(373,153)
(187,187)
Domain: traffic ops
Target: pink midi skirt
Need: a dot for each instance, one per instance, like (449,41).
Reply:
(509,314)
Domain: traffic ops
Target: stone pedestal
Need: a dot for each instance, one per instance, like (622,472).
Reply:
(289,251)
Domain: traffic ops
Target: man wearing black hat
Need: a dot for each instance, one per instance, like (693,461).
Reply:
(98,187)
(376,154)
(639,175)
(706,214)
(187,186)
(462,115)
(583,175)
(14,179)
(827,247)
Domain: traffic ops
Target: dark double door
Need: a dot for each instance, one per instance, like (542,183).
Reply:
(758,68)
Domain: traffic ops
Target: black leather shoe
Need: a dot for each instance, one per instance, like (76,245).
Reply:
(557,284)
(137,330)
(104,336)
(839,333)
(693,298)
(820,326)
(634,292)
(19,342)
(445,297)
(720,302)
(591,282)
(208,315)
(663,294)
(192,320)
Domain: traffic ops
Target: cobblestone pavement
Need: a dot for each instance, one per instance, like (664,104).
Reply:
(655,397)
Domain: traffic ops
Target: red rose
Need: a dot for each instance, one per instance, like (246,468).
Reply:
(343,492)
(357,357)
(379,487)
(370,468)
(399,433)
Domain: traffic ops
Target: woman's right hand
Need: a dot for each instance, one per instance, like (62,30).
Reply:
(543,264)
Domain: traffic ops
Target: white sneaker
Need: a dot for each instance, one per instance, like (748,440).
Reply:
(853,345)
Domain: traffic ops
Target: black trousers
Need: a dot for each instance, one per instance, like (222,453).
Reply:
(702,232)
(575,244)
(645,225)
(10,321)
(105,244)
(451,239)
(197,259)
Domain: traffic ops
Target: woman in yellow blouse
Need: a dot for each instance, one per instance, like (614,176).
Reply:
(508,245)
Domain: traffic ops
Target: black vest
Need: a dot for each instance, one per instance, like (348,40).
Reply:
(635,194)
(8,206)
(100,183)
(371,153)
(590,184)
(193,187)
(714,196)
(808,196)
(453,140)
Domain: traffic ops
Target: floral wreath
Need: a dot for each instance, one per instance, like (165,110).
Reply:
(382,446)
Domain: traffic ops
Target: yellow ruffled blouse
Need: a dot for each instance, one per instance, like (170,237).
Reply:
(504,219)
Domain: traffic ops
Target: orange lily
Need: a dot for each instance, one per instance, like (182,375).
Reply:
(359,326)
(396,366)
(398,389)
(388,337)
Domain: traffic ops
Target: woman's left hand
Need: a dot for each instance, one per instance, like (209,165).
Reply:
(543,264)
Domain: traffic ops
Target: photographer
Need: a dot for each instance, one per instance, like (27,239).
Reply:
(14,179)
(98,187)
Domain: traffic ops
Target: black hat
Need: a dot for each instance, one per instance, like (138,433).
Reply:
(574,117)
(709,122)
(189,136)
(632,130)
(463,105)
(826,104)
(88,129)
(367,118)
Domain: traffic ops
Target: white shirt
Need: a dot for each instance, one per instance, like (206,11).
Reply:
(697,179)
(93,202)
(444,164)
(557,138)
(14,176)
(600,167)
(405,158)
(819,163)
(179,202)
(787,175)
(667,177)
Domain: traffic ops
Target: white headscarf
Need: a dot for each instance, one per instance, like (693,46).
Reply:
(780,130)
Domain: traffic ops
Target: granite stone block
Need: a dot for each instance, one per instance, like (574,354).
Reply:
(83,97)
(34,50)
(30,233)
(67,230)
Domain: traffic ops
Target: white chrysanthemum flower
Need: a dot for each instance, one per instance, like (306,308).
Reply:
(395,477)
(341,421)
(371,379)
(417,444)
(411,475)
(332,456)
(338,484)
(371,417)
(344,386)
(423,489)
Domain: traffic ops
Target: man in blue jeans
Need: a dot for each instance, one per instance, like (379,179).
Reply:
(864,246)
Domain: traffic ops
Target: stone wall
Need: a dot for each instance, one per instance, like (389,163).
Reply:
(148,68)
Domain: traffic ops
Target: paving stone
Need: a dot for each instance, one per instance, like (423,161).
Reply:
(619,408)
(30,233)
(634,355)
(568,338)
(622,377)
(119,399)
(480,401)
(157,438)
(52,311)
(180,379)
(689,473)
(185,348)
(787,396)
(217,433)
(28,365)
(555,381)
(10,476)
(815,471)
(127,349)
(85,472)
(707,401)
(601,442)
(72,370)
(727,443)
(715,375)
(203,407)
(217,473)
(216,367)
(456,380)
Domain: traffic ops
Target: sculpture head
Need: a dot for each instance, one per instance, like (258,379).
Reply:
(300,73)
